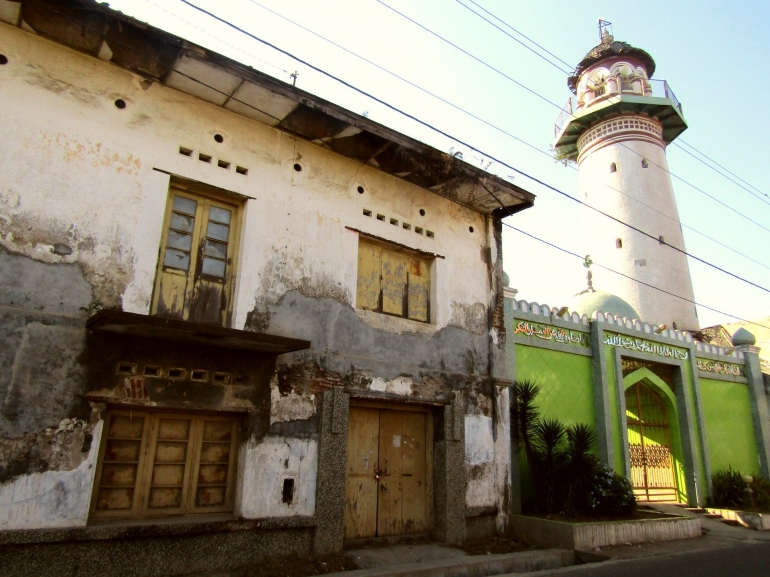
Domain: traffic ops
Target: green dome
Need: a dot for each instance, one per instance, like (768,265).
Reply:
(587,302)
(506,279)
(743,337)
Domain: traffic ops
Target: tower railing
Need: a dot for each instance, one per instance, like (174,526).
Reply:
(609,88)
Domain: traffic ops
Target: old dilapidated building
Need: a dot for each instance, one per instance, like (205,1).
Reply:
(227,301)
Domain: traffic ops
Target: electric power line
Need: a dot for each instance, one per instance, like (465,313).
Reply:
(564,250)
(662,168)
(681,141)
(447,135)
(552,103)
(512,37)
(133,49)
(738,184)
(496,127)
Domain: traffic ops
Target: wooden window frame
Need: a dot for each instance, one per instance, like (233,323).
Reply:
(205,198)
(148,447)
(378,260)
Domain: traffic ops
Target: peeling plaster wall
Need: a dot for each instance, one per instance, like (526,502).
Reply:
(52,498)
(262,468)
(84,192)
(479,461)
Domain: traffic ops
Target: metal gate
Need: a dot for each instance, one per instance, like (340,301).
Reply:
(649,445)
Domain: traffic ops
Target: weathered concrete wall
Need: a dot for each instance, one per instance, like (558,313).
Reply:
(82,201)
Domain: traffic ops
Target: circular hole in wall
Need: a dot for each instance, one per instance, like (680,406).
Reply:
(3,59)
(360,190)
(422,212)
(297,167)
(470,229)
(120,103)
(219,138)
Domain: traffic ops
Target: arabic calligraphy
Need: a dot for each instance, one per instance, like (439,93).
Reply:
(720,368)
(645,346)
(549,333)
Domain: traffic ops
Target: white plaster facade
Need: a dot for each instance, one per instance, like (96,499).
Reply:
(80,171)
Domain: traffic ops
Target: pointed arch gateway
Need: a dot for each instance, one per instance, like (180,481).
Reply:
(650,413)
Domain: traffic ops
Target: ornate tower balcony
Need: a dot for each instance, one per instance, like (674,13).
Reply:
(614,80)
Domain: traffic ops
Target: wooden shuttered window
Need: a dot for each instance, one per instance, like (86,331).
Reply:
(157,464)
(393,282)
(196,267)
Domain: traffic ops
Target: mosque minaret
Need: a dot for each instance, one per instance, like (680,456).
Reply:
(616,128)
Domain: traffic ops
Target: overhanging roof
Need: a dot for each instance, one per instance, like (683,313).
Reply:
(162,57)
(153,327)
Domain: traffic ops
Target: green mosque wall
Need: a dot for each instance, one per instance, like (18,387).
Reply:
(565,380)
(729,428)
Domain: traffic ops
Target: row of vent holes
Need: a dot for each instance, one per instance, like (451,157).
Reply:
(405,225)
(179,374)
(207,159)
(614,167)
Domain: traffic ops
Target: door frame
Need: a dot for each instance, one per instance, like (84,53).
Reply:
(429,411)
(672,435)
(683,471)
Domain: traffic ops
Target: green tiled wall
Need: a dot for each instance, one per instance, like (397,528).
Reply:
(729,429)
(565,380)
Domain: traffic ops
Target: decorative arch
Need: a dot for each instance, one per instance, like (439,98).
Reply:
(668,397)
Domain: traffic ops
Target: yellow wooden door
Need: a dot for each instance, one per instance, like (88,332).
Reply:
(196,265)
(649,445)
(361,481)
(388,488)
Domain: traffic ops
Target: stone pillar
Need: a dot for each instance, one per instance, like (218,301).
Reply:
(332,460)
(601,396)
(449,474)
(759,408)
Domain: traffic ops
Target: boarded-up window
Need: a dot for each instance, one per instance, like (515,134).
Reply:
(196,265)
(165,464)
(393,281)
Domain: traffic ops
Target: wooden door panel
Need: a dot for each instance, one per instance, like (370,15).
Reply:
(413,441)
(360,483)
(390,494)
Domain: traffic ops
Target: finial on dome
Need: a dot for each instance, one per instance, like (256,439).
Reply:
(605,32)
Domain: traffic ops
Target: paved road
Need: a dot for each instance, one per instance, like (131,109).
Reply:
(745,560)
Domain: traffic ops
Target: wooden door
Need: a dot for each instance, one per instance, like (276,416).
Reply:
(388,488)
(649,445)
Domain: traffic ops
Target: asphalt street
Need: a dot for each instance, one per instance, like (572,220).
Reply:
(746,560)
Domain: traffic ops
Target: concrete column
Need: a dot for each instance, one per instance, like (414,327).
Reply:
(759,408)
(449,474)
(332,460)
(601,397)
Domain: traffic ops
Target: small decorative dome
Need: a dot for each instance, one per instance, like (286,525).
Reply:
(743,337)
(506,279)
(587,302)
(607,50)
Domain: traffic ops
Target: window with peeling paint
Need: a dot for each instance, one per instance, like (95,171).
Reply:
(165,464)
(196,264)
(393,281)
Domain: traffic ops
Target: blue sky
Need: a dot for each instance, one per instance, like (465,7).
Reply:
(714,55)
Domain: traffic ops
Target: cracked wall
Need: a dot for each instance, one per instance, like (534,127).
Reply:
(82,204)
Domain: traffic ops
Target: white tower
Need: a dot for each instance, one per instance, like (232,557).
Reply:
(617,128)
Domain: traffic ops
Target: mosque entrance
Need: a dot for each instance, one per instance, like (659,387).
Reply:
(649,445)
